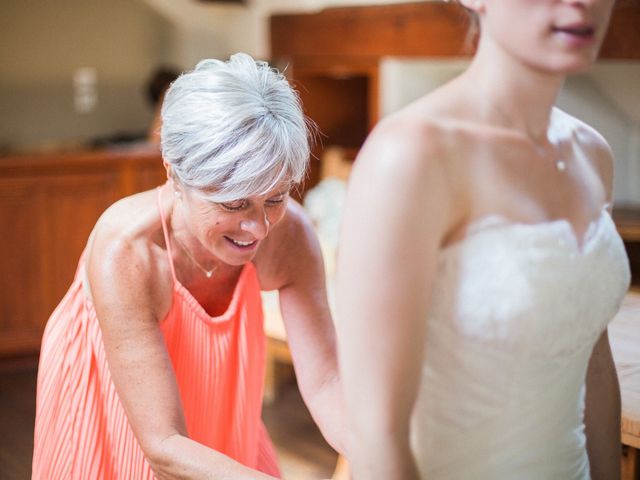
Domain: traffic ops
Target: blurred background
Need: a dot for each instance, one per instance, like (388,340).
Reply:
(77,132)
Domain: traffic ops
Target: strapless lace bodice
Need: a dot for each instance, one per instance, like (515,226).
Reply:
(515,312)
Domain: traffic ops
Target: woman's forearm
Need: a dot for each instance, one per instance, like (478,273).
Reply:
(386,457)
(380,455)
(179,457)
(327,408)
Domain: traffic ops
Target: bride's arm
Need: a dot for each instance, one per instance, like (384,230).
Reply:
(395,212)
(602,404)
(602,413)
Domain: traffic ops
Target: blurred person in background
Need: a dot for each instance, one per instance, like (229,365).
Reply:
(156,87)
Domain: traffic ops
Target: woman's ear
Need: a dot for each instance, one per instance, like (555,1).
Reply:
(167,167)
(175,185)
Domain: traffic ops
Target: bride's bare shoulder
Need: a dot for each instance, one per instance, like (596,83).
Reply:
(588,140)
(581,132)
(425,135)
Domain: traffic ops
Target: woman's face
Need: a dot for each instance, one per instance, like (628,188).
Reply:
(559,36)
(232,231)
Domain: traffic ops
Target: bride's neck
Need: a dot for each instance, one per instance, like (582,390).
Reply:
(523,96)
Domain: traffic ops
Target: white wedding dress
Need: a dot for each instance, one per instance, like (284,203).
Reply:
(516,311)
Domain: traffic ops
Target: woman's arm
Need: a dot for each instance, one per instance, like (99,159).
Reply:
(602,402)
(397,210)
(297,270)
(602,413)
(121,275)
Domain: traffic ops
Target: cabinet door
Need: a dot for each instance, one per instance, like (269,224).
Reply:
(23,302)
(73,205)
(46,222)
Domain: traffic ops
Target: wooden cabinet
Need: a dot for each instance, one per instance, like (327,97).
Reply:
(48,206)
(341,98)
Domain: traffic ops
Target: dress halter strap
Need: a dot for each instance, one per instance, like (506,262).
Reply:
(165,230)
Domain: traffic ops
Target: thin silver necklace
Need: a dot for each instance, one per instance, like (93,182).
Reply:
(560,164)
(207,273)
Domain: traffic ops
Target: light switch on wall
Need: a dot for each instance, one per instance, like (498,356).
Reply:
(85,90)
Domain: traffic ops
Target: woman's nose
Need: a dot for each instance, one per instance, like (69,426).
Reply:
(257,224)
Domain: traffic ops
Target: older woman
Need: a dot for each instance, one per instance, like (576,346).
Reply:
(475,300)
(152,364)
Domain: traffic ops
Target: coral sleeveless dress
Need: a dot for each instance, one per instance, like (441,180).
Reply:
(81,430)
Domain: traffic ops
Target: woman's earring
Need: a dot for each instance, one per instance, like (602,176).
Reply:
(177,194)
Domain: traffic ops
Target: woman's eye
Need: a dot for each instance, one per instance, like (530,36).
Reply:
(234,206)
(277,199)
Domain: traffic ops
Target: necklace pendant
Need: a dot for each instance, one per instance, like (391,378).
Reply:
(561,165)
(208,273)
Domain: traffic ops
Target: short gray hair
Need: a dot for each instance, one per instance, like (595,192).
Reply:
(234,129)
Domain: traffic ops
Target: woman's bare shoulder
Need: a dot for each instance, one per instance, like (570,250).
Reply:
(590,141)
(126,254)
(586,135)
(425,133)
(419,148)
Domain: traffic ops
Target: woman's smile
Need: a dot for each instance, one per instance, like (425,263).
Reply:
(246,245)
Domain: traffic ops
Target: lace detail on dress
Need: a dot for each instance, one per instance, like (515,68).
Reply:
(523,286)
(515,312)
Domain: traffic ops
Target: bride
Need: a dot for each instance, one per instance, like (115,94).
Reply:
(479,267)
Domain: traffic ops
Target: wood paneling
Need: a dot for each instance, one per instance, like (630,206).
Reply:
(623,38)
(423,29)
(21,296)
(80,199)
(48,206)
(434,29)
(341,98)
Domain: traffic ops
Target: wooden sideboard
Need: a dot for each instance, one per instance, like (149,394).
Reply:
(48,206)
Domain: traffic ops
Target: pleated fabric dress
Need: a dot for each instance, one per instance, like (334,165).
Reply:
(81,430)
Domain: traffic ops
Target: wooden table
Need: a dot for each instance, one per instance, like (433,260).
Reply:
(624,334)
(627,222)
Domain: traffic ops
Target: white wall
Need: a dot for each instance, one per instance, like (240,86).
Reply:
(43,43)
(403,80)
(607,98)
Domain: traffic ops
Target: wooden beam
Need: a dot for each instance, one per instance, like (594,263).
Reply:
(423,29)
(435,29)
